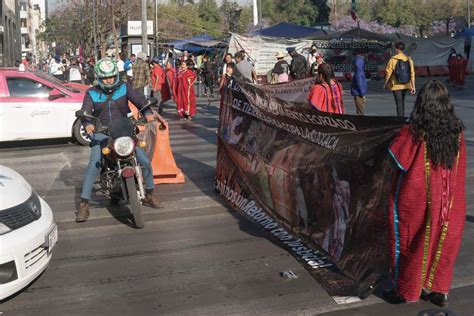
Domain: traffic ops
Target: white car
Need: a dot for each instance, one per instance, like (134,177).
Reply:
(34,105)
(27,233)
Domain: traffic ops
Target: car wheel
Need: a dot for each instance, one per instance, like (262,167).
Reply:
(79,133)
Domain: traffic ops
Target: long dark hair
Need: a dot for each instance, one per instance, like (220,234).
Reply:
(327,74)
(433,119)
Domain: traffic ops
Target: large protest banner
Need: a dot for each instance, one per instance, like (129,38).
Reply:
(318,183)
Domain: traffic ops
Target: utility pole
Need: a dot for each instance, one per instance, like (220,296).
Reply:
(94,12)
(469,13)
(260,9)
(144,28)
(156,28)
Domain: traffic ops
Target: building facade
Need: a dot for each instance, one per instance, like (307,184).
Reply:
(32,16)
(10,39)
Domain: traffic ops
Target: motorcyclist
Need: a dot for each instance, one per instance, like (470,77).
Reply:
(109,101)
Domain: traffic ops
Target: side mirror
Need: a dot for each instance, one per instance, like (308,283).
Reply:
(55,94)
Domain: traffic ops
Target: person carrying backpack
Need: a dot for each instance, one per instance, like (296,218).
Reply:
(400,77)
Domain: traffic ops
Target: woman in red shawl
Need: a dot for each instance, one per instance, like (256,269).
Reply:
(451,66)
(157,81)
(460,66)
(326,94)
(428,205)
(186,99)
(167,88)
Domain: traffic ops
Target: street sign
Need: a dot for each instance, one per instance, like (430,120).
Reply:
(135,28)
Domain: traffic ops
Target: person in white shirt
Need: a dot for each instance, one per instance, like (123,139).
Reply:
(121,66)
(57,68)
(75,72)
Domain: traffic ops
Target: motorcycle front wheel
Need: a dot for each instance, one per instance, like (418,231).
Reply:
(135,205)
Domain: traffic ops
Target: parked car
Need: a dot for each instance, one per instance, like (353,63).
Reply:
(35,105)
(27,233)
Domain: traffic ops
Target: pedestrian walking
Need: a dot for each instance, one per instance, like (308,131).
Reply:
(89,74)
(208,75)
(75,71)
(326,94)
(400,77)
(128,66)
(428,205)
(298,66)
(460,67)
(141,73)
(359,82)
(121,67)
(57,68)
(451,66)
(167,92)
(245,68)
(158,79)
(312,55)
(186,98)
(281,69)
(319,60)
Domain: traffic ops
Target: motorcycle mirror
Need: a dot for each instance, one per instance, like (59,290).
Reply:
(149,102)
(82,114)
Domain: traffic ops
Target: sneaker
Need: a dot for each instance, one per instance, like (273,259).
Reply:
(83,212)
(150,201)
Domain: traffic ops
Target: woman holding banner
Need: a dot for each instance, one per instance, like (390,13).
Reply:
(326,94)
(427,206)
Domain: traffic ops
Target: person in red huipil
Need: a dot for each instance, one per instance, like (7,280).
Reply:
(326,94)
(167,88)
(186,98)
(427,206)
(180,69)
(460,67)
(451,66)
(158,79)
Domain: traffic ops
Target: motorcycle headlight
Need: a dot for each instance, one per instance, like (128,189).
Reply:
(124,146)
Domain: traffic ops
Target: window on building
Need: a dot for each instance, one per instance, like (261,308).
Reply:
(27,88)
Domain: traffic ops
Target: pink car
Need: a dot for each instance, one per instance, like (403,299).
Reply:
(34,105)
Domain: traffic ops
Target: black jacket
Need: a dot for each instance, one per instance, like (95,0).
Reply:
(298,67)
(106,107)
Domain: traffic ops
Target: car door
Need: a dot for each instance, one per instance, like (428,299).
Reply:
(32,115)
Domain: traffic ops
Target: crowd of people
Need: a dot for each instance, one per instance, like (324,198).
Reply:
(429,151)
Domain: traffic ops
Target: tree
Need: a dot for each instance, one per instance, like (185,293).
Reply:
(302,12)
(323,11)
(209,12)
(446,10)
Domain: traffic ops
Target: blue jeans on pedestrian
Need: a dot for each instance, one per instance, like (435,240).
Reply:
(99,141)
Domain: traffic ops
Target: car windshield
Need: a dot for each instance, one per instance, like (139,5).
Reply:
(49,78)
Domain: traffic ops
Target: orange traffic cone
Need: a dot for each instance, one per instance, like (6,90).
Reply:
(158,149)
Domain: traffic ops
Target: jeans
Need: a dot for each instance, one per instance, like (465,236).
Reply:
(400,101)
(99,141)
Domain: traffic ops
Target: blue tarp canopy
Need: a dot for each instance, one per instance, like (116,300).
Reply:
(290,30)
(467,32)
(197,43)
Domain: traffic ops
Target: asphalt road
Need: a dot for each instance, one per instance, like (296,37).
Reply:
(195,256)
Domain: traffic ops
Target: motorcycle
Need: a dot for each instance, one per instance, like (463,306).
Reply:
(121,176)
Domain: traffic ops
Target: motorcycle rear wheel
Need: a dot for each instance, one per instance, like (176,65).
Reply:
(135,205)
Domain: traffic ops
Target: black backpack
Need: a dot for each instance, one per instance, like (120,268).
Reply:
(403,71)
